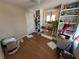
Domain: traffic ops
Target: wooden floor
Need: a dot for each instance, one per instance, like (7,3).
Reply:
(34,48)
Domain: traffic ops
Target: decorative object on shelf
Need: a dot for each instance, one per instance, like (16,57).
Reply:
(37,21)
(72,5)
(70,12)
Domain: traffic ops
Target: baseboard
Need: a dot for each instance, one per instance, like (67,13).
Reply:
(21,37)
(46,36)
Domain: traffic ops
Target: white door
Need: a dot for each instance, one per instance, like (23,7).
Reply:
(30,23)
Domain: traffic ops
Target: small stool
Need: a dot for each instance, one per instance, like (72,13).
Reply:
(10,45)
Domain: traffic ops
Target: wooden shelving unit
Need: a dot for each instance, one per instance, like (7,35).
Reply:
(69,16)
(70,9)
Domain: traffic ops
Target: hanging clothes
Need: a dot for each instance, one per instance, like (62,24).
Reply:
(66,25)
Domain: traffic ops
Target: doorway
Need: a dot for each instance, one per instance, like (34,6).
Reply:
(51,18)
(30,23)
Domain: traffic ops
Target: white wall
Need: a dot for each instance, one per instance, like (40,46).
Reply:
(12,21)
(30,23)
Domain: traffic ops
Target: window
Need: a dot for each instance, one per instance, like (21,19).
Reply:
(51,18)
(48,18)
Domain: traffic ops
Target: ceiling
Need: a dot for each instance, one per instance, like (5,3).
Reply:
(24,3)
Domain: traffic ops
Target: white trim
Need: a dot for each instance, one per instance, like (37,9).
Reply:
(46,36)
(29,36)
(21,37)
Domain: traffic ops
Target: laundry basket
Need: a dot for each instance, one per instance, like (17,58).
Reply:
(10,45)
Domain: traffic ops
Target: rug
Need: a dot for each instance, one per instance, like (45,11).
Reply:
(52,45)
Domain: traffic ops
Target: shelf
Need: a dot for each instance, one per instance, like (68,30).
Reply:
(72,23)
(68,34)
(69,30)
(69,16)
(69,9)
(69,23)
